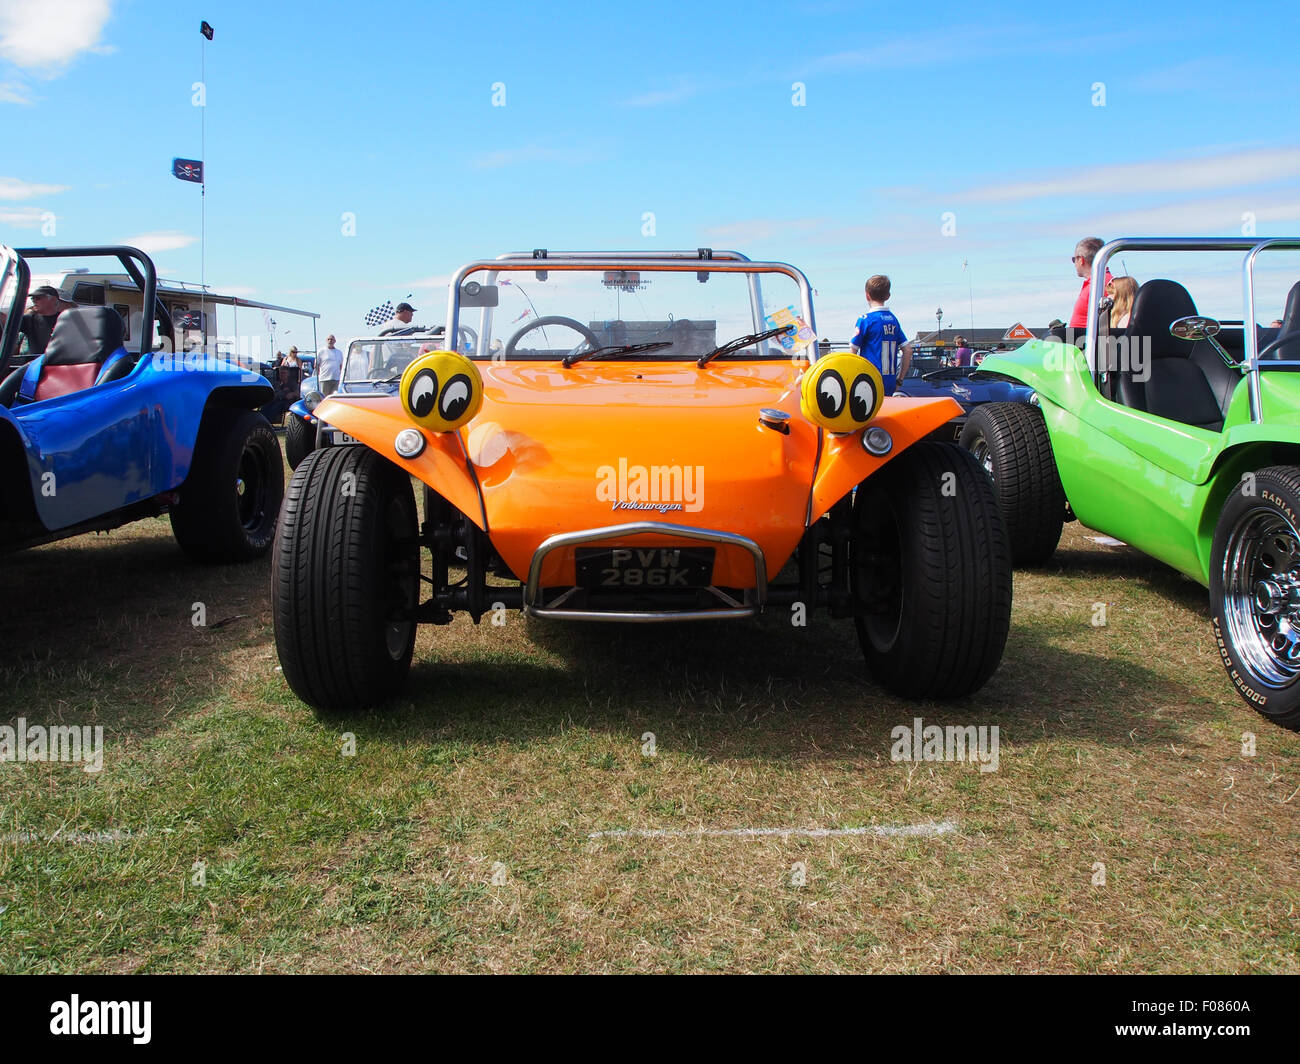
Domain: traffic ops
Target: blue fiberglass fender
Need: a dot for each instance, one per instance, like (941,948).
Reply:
(95,451)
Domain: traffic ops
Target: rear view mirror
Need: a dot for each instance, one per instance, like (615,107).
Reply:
(473,294)
(1194,327)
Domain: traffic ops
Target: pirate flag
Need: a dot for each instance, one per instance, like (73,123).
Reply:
(188,170)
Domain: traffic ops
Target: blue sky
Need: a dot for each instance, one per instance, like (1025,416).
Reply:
(1025,128)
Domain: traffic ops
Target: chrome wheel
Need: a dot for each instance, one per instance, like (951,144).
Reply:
(983,454)
(1261,595)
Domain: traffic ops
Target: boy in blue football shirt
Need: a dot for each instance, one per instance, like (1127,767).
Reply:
(880,338)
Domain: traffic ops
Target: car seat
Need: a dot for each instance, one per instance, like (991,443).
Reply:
(85,349)
(1289,351)
(1175,386)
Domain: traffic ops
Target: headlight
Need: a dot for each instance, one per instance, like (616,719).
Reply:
(409,443)
(312,399)
(876,441)
(1033,399)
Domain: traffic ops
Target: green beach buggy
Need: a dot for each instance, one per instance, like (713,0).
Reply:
(1180,435)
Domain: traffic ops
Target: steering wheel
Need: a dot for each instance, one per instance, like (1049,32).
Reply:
(465,333)
(551,319)
(1285,338)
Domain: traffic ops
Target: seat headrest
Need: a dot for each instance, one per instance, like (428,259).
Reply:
(1157,305)
(1290,351)
(84,335)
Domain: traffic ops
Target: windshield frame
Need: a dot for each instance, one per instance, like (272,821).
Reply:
(700,261)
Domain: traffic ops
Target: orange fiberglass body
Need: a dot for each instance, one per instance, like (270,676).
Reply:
(672,443)
(632,437)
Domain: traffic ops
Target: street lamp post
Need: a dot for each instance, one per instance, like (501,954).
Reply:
(939,315)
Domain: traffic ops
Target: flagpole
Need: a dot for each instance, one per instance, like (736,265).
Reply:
(203,193)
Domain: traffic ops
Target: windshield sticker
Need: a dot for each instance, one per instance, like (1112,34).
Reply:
(803,334)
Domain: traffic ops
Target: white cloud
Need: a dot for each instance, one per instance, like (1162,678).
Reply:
(166,240)
(434,283)
(47,36)
(13,188)
(14,92)
(684,90)
(754,230)
(22,217)
(1124,180)
(1221,216)
(512,156)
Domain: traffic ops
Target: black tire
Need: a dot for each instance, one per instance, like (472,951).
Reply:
(1255,592)
(230,501)
(1010,441)
(345,579)
(931,573)
(299,439)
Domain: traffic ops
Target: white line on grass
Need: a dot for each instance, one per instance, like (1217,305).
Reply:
(943,827)
(75,837)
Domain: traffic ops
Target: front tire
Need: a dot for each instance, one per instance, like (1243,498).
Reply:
(231,497)
(299,439)
(1011,442)
(930,573)
(345,579)
(1255,592)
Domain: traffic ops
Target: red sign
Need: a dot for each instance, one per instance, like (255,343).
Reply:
(1018,332)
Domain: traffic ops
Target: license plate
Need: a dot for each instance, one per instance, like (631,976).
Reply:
(644,567)
(342,437)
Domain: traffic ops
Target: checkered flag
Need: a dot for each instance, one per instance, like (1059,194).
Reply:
(380,314)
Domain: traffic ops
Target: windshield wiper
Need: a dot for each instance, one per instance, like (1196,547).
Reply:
(741,342)
(613,349)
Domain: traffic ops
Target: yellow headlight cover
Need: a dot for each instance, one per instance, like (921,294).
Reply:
(441,391)
(841,392)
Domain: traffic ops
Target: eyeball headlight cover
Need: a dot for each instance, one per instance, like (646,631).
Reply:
(841,392)
(441,391)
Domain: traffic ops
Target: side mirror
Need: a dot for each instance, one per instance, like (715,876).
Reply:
(1194,327)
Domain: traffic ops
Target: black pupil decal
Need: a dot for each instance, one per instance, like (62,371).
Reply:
(861,397)
(455,397)
(424,392)
(830,394)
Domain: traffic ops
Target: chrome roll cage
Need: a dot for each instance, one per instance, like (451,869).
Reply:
(1252,247)
(701,262)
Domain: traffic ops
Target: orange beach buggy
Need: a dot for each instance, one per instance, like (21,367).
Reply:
(632,437)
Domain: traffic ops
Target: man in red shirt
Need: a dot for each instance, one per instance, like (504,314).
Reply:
(1084,252)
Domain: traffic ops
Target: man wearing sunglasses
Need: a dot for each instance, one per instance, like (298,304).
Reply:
(1084,252)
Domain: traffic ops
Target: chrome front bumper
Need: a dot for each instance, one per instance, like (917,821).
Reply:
(754,597)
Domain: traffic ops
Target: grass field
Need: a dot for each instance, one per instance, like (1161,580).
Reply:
(232,830)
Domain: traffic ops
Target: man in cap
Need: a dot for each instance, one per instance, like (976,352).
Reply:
(38,323)
(401,320)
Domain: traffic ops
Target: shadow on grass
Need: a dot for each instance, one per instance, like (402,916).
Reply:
(102,626)
(1127,563)
(99,626)
(765,690)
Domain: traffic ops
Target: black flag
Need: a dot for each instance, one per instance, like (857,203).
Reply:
(206,30)
(188,170)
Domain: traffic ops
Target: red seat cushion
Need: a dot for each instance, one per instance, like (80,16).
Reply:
(60,380)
